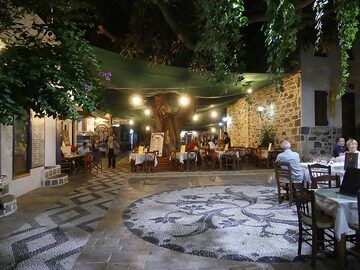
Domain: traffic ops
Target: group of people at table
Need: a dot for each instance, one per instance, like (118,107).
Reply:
(85,153)
(337,203)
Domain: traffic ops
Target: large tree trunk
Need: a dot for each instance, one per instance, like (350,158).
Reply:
(167,120)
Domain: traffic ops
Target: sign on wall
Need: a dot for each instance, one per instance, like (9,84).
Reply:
(37,141)
(157,142)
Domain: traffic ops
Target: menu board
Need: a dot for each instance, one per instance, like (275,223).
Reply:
(37,141)
(157,142)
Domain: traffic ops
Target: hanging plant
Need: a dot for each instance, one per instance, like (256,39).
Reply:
(280,33)
(319,8)
(347,15)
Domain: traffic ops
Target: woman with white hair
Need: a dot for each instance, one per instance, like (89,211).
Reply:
(293,159)
(352,146)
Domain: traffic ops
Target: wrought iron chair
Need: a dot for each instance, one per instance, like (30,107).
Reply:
(230,158)
(315,228)
(284,181)
(191,160)
(355,238)
(150,161)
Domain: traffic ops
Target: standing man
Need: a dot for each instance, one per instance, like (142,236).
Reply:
(227,139)
(340,147)
(112,150)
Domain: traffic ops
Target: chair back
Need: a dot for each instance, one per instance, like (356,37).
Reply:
(305,203)
(230,153)
(316,170)
(282,171)
(331,181)
(191,155)
(150,156)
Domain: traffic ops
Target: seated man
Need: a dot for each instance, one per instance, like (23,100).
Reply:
(293,159)
(340,147)
(84,149)
(192,146)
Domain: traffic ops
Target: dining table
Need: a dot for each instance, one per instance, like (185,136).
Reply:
(182,156)
(77,161)
(344,210)
(138,159)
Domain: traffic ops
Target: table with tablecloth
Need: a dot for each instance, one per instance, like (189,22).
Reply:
(344,210)
(140,158)
(182,157)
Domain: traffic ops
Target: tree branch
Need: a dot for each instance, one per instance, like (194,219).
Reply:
(102,31)
(171,22)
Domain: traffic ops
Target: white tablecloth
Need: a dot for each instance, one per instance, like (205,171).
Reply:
(219,154)
(343,208)
(336,168)
(182,157)
(140,158)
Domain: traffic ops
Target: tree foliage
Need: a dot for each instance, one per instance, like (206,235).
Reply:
(47,65)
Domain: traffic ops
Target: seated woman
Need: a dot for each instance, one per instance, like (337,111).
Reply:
(352,146)
(192,146)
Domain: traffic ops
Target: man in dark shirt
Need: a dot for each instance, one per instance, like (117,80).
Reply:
(227,139)
(340,147)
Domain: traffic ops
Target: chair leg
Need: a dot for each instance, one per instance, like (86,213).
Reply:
(313,248)
(300,239)
(279,195)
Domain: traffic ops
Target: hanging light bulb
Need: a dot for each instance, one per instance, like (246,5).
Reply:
(214,114)
(147,111)
(184,100)
(195,117)
(136,100)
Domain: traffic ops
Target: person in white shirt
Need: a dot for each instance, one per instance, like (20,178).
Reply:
(84,149)
(293,159)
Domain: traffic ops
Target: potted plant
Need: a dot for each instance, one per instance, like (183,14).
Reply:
(267,136)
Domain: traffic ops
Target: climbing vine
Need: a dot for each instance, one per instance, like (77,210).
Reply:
(347,14)
(319,8)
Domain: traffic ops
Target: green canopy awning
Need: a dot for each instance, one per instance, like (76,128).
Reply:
(131,76)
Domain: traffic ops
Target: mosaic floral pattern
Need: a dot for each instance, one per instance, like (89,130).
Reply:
(243,223)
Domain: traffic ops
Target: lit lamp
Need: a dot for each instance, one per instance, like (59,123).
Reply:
(249,91)
(260,110)
(131,122)
(184,100)
(195,118)
(220,124)
(147,112)
(147,128)
(224,119)
(214,114)
(136,100)
(213,130)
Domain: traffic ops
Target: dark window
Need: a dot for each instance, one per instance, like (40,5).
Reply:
(321,108)
(320,54)
(21,147)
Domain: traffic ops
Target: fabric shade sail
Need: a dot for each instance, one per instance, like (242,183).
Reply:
(130,76)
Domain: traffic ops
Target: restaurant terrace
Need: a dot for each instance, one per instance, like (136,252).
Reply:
(179,134)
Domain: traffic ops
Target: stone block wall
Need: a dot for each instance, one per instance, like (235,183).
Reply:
(318,141)
(282,111)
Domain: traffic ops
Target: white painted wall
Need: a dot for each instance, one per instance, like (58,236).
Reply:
(317,73)
(50,141)
(32,181)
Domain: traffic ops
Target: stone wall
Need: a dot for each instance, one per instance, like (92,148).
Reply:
(318,141)
(282,111)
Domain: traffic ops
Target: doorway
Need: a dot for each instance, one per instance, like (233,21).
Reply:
(348,115)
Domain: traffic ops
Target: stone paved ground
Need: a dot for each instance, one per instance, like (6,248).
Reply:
(112,246)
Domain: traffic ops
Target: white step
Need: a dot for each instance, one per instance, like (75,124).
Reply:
(55,180)
(10,205)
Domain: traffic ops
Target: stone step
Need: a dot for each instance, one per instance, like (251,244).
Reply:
(52,170)
(10,205)
(55,180)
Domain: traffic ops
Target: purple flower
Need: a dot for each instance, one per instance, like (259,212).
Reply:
(106,75)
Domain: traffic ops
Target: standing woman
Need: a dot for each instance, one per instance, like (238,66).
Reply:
(112,150)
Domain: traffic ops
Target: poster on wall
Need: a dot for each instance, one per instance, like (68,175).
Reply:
(37,141)
(157,142)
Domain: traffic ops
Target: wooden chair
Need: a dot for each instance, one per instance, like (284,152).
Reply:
(315,228)
(66,165)
(150,161)
(230,159)
(329,181)
(262,158)
(96,161)
(191,159)
(316,170)
(284,181)
(355,238)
